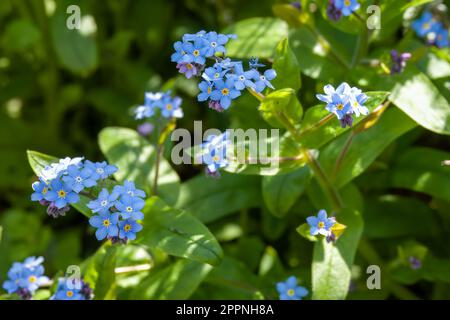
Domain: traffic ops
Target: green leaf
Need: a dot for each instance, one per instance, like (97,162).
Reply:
(135,158)
(257,37)
(314,57)
(175,282)
(232,279)
(391,216)
(178,233)
(332,263)
(420,169)
(99,272)
(281,191)
(365,147)
(209,199)
(304,231)
(286,65)
(415,94)
(76,51)
(38,161)
(21,35)
(280,106)
(314,136)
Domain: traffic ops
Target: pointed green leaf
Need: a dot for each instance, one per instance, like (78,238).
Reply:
(178,233)
(332,263)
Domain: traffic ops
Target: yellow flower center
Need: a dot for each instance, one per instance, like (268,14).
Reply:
(225,91)
(291,292)
(32,279)
(169,106)
(44,191)
(127,227)
(216,75)
(320,225)
(426,26)
(216,158)
(347,3)
(106,223)
(129,209)
(209,90)
(355,103)
(189,66)
(61,194)
(69,294)
(340,106)
(196,52)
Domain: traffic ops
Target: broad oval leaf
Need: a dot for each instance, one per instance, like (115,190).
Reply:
(365,147)
(178,233)
(256,37)
(281,106)
(76,51)
(177,281)
(415,94)
(421,170)
(332,263)
(99,272)
(210,199)
(286,65)
(135,158)
(281,191)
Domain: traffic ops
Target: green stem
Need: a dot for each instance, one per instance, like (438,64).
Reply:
(314,165)
(342,155)
(257,95)
(157,163)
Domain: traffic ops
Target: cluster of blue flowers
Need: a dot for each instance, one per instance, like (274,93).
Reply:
(214,153)
(60,183)
(432,30)
(344,102)
(118,212)
(25,278)
(225,79)
(290,290)
(168,106)
(68,289)
(338,8)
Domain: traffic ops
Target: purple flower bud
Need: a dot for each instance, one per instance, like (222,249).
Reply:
(331,237)
(215,105)
(333,12)
(54,212)
(347,120)
(415,263)
(86,291)
(214,175)
(296,5)
(399,61)
(25,294)
(115,240)
(189,69)
(44,202)
(145,129)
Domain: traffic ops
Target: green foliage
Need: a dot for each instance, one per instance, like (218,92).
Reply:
(70,93)
(178,233)
(332,263)
(135,158)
